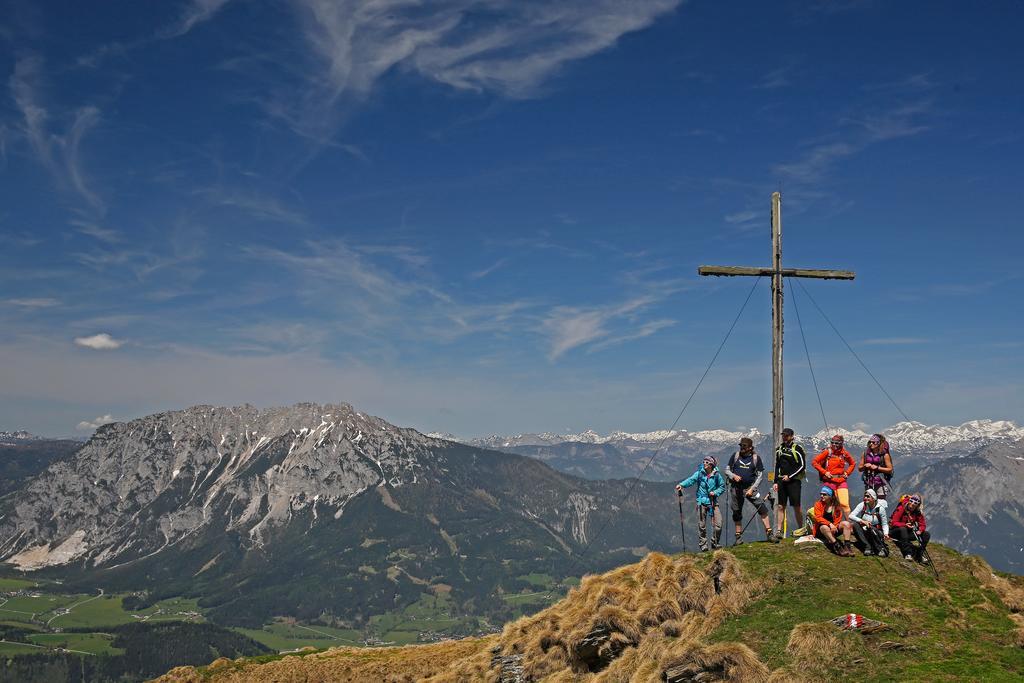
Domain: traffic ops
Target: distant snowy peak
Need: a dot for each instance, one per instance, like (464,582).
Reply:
(914,436)
(589,436)
(17,437)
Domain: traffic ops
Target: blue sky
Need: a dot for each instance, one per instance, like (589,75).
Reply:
(485,217)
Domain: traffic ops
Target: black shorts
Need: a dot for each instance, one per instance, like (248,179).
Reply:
(789,492)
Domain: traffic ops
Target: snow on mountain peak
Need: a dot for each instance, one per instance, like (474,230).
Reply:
(902,435)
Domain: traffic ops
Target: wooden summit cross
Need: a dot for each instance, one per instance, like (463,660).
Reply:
(777,272)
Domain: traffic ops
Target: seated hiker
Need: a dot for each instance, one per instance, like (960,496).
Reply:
(710,485)
(876,466)
(834,465)
(744,471)
(827,516)
(790,468)
(870,525)
(907,526)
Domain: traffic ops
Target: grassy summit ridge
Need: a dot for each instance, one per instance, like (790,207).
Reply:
(754,613)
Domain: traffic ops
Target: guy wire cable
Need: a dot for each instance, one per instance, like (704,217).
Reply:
(657,452)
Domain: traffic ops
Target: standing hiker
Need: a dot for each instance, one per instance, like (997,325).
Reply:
(876,466)
(744,471)
(870,525)
(834,465)
(827,516)
(790,468)
(710,485)
(908,525)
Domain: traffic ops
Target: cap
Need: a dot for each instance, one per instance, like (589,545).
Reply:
(875,438)
(838,438)
(787,432)
(870,493)
(825,489)
(710,460)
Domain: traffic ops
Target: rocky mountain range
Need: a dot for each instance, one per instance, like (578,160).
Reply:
(16,437)
(624,454)
(973,502)
(311,510)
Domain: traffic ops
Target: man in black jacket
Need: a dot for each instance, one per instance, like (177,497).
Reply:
(744,473)
(790,466)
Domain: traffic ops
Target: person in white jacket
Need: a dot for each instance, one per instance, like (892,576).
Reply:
(871,525)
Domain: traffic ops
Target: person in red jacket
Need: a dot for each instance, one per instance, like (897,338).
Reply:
(827,517)
(908,525)
(834,465)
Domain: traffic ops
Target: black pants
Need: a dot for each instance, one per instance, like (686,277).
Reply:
(903,538)
(869,538)
(737,494)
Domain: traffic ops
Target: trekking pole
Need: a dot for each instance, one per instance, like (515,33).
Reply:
(924,551)
(771,504)
(682,523)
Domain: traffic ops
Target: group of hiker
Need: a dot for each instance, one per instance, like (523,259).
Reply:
(866,527)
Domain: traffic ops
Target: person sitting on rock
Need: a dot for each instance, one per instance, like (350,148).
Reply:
(827,517)
(908,525)
(876,466)
(744,471)
(870,525)
(710,485)
(834,465)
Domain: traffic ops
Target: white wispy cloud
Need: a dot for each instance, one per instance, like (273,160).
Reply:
(776,78)
(99,342)
(855,134)
(527,42)
(95,423)
(42,302)
(569,327)
(742,217)
(59,153)
(895,341)
(92,229)
(195,13)
(484,272)
(633,333)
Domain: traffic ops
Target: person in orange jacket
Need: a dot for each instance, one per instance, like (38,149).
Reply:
(827,517)
(834,465)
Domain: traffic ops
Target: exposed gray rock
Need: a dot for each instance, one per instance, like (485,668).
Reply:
(140,486)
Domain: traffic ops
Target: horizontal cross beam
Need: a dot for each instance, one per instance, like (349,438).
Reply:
(786,272)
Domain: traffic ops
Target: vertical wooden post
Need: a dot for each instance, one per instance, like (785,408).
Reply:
(777,394)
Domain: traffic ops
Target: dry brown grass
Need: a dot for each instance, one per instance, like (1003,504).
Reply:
(655,614)
(819,651)
(1010,592)
(893,609)
(1018,634)
(344,665)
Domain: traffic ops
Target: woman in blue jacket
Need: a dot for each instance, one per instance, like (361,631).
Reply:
(710,485)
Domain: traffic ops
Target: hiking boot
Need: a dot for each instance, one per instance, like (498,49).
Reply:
(848,550)
(775,537)
(908,557)
(869,552)
(738,541)
(923,560)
